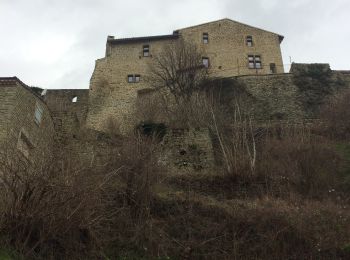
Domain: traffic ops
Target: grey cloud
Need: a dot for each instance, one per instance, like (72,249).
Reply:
(54,43)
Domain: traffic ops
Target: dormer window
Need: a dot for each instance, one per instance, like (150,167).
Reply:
(205,38)
(145,50)
(249,41)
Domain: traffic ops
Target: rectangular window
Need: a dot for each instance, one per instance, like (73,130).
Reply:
(38,114)
(145,50)
(254,62)
(134,78)
(205,61)
(205,38)
(258,62)
(249,41)
(130,78)
(272,68)
(251,61)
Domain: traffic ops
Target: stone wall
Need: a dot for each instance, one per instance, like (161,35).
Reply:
(111,96)
(344,75)
(35,140)
(188,149)
(293,96)
(7,100)
(274,96)
(227,49)
(77,146)
(68,109)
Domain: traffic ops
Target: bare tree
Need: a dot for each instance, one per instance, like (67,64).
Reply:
(179,68)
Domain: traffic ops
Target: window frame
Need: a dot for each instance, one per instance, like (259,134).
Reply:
(205,38)
(249,41)
(257,60)
(38,113)
(273,68)
(253,60)
(133,78)
(146,50)
(130,78)
(207,65)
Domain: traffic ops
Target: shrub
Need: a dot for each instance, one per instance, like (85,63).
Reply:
(336,116)
(297,160)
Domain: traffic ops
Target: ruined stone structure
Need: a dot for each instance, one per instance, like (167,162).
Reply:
(26,124)
(229,49)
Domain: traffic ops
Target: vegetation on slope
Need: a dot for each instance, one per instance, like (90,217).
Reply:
(278,190)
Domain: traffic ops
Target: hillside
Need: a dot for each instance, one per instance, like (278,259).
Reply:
(254,167)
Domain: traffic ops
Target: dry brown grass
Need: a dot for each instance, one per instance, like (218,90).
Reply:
(274,196)
(59,213)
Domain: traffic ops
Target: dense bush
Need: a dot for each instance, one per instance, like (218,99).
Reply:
(54,212)
(335,116)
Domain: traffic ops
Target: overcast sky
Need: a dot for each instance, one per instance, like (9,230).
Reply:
(54,43)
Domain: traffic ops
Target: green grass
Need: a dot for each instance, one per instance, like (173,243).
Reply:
(4,255)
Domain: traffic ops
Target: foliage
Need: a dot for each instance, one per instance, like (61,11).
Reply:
(315,83)
(335,115)
(179,69)
(150,129)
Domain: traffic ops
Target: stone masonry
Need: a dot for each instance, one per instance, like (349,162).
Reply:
(73,122)
(20,129)
(226,46)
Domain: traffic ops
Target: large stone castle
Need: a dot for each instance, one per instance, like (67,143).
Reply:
(229,49)
(36,122)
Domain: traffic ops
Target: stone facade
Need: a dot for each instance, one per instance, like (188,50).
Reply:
(26,125)
(228,51)
(188,149)
(68,110)
(74,123)
(223,42)
(274,96)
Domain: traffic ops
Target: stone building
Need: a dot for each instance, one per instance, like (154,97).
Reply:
(73,122)
(26,125)
(229,49)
